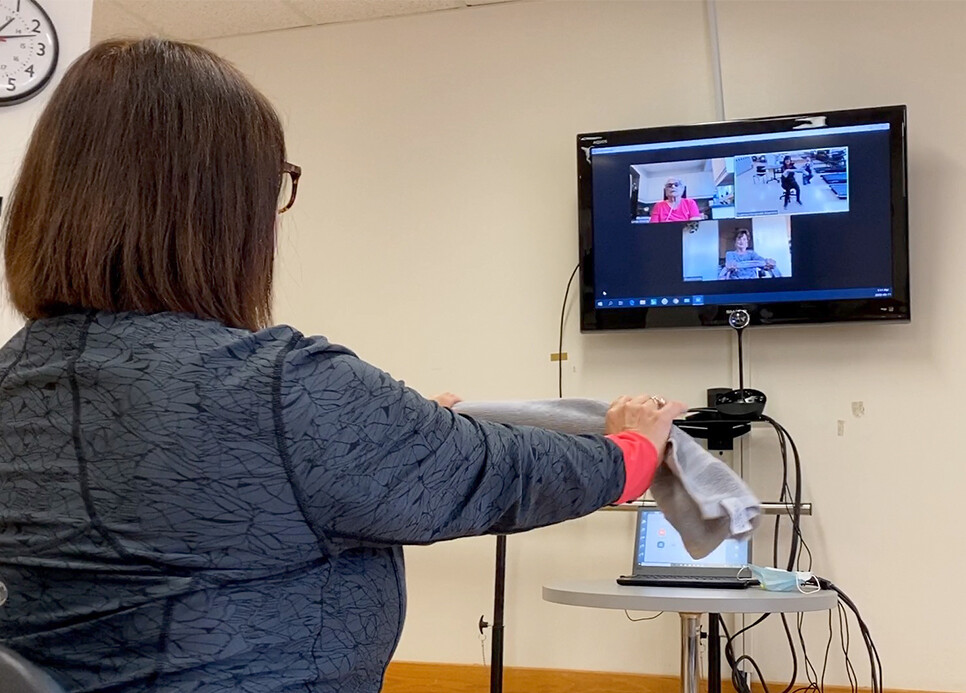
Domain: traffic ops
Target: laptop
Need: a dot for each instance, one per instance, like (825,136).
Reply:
(660,558)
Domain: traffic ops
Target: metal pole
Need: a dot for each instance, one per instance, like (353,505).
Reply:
(496,648)
(714,655)
(741,364)
(766,507)
(690,632)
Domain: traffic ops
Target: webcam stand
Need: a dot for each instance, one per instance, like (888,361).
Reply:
(739,320)
(724,403)
(729,413)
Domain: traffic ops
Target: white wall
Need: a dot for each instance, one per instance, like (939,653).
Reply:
(452,275)
(72,21)
(697,184)
(701,251)
(888,492)
(772,237)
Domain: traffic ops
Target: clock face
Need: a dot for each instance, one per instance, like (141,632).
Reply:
(28,50)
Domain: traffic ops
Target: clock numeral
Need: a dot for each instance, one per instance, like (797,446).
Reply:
(41,49)
(36,28)
(11,84)
(30,70)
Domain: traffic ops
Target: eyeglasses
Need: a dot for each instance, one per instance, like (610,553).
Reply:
(672,185)
(289,186)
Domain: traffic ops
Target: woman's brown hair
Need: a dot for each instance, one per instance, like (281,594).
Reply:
(150,184)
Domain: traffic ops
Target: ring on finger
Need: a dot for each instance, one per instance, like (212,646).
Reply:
(659,401)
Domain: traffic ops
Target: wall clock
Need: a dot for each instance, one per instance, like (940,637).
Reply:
(28,50)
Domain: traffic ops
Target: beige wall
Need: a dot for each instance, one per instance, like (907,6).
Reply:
(72,21)
(436,229)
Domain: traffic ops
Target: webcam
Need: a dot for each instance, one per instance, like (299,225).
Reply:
(739,319)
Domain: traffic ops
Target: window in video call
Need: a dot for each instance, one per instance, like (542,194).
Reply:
(786,217)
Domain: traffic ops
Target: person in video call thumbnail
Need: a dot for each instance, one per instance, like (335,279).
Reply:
(676,205)
(807,174)
(789,183)
(742,263)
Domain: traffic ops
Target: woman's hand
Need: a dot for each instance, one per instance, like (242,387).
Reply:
(650,416)
(447,399)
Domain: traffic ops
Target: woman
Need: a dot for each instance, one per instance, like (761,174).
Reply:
(193,501)
(807,170)
(676,205)
(742,263)
(789,183)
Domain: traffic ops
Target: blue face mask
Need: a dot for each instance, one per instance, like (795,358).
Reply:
(778,580)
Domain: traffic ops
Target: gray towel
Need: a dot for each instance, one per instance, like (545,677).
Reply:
(701,496)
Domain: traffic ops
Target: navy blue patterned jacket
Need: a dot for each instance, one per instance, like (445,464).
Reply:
(188,507)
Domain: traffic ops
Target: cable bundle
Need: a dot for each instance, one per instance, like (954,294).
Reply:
(793,562)
(793,501)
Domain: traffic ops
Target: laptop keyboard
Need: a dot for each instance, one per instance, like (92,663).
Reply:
(710,581)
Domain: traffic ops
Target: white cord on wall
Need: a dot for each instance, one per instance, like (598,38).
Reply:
(740,451)
(712,11)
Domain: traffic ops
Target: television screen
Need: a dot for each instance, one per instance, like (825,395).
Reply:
(796,219)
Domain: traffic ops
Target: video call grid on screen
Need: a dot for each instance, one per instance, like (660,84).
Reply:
(805,209)
(729,187)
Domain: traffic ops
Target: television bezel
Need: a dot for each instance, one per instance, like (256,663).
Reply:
(891,309)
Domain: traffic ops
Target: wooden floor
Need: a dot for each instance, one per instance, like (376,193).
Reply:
(420,677)
(413,677)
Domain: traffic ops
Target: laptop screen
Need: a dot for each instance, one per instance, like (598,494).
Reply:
(660,545)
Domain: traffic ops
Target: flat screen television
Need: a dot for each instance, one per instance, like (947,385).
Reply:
(796,219)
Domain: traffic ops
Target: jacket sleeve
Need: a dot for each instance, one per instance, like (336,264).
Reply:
(370,459)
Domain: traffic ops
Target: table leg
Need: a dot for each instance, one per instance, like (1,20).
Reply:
(690,635)
(714,655)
